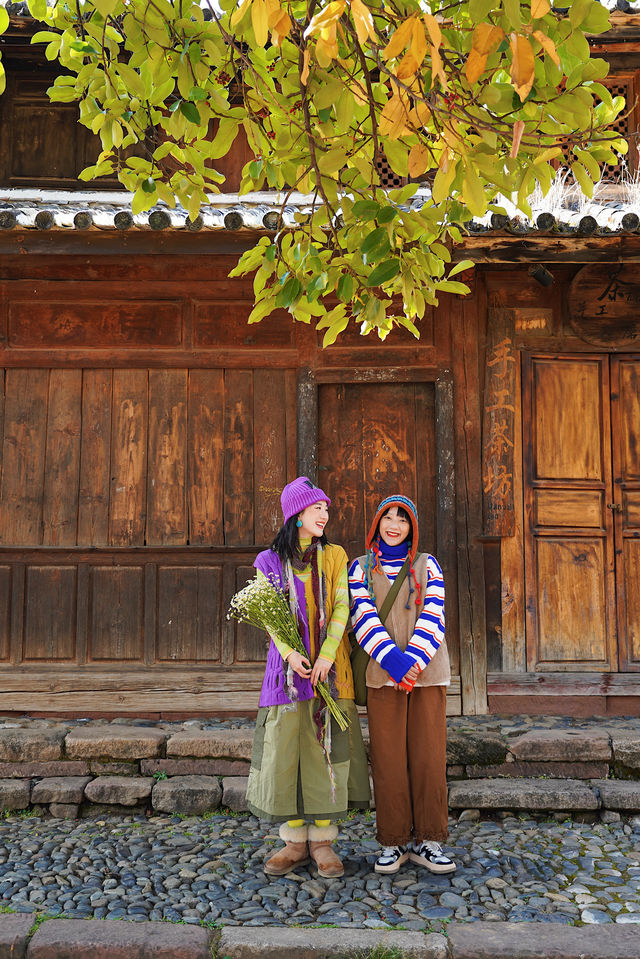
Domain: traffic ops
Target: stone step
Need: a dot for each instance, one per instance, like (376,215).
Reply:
(531,794)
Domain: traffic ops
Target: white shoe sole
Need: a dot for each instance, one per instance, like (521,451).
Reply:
(432,867)
(393,866)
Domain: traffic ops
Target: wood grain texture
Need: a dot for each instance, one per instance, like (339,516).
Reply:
(127,515)
(512,558)
(238,458)
(206,456)
(116,621)
(445,507)
(499,425)
(50,613)
(5,611)
(270,452)
(625,414)
(62,462)
(95,455)
(471,591)
(569,568)
(23,456)
(108,322)
(167,458)
(189,613)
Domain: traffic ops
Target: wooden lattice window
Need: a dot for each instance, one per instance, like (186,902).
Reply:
(626,124)
(389,180)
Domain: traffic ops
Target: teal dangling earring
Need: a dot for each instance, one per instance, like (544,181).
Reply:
(298,522)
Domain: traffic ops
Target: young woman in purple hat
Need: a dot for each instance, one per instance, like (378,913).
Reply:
(407,676)
(289,780)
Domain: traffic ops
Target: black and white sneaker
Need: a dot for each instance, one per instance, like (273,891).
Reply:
(391,858)
(430,855)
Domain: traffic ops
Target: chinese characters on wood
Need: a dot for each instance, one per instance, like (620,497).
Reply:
(605,305)
(498,426)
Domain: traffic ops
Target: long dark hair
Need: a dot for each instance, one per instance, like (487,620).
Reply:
(287,541)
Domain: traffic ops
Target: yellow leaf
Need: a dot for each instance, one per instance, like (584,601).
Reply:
(399,40)
(476,62)
(304,76)
(326,18)
(420,115)
(548,45)
(437,69)
(518,130)
(259,22)
(539,8)
(327,46)
(486,38)
(549,154)
(407,67)
(522,65)
(363,21)
(393,118)
(419,159)
(433,27)
(418,47)
(240,12)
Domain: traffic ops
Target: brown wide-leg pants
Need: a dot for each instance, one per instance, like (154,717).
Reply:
(408,736)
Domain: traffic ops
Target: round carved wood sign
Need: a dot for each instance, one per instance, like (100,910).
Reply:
(604,305)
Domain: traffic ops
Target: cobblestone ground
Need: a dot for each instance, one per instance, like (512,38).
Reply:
(208,870)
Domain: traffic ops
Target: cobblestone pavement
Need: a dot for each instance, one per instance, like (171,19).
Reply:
(208,870)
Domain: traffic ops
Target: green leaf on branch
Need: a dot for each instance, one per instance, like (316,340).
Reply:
(383,273)
(190,111)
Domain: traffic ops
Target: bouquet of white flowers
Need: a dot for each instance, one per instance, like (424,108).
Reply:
(262,604)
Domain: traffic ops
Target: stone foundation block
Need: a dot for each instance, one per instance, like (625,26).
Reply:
(114,742)
(534,794)
(188,795)
(237,942)
(539,940)
(195,767)
(550,770)
(616,794)
(562,745)
(234,793)
(14,793)
(13,936)
(124,790)
(626,749)
(60,789)
(93,939)
(475,747)
(97,768)
(212,743)
(62,767)
(33,743)
(61,810)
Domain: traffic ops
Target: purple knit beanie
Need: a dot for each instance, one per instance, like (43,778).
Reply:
(299,494)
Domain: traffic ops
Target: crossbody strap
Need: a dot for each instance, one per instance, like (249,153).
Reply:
(385,609)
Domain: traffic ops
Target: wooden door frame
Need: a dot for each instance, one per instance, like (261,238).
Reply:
(625,664)
(308,408)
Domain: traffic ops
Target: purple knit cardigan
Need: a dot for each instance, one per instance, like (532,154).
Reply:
(274,685)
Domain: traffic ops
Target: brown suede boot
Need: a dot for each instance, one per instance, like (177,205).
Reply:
(295,852)
(320,839)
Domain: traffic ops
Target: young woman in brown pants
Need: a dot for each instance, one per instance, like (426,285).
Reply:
(407,676)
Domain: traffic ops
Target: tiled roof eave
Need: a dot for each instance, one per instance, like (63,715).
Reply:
(99,212)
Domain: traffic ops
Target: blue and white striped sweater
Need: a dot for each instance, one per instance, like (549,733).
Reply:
(373,637)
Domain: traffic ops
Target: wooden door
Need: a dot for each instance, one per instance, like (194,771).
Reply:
(625,414)
(570,579)
(375,440)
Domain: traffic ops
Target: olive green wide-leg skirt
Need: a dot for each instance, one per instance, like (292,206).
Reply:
(289,777)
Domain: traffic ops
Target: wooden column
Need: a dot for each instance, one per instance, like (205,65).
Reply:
(307,425)
(471,594)
(446,506)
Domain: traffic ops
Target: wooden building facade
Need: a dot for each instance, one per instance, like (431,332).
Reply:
(146,432)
